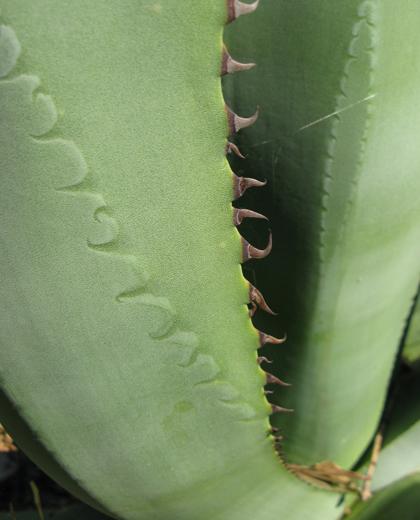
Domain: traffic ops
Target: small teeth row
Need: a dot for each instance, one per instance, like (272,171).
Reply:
(240,184)
(229,65)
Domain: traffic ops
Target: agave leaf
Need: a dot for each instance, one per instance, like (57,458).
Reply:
(400,452)
(399,458)
(398,501)
(128,361)
(337,139)
(411,350)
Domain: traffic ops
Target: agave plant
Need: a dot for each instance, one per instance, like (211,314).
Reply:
(138,325)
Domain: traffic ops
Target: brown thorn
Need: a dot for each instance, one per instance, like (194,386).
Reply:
(229,65)
(252,310)
(257,297)
(277,409)
(249,251)
(240,213)
(276,430)
(236,123)
(232,147)
(266,392)
(235,8)
(261,359)
(240,184)
(275,380)
(265,338)
(278,439)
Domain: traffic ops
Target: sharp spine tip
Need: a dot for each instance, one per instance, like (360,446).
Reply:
(277,409)
(249,251)
(257,297)
(266,338)
(252,310)
(229,65)
(230,147)
(236,8)
(240,214)
(240,184)
(236,123)
(275,380)
(262,358)
(276,430)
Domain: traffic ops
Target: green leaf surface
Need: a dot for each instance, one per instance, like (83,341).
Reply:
(399,501)
(400,451)
(337,139)
(128,360)
(411,350)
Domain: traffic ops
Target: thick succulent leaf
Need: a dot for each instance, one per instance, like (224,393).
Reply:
(337,139)
(411,350)
(400,453)
(399,501)
(128,360)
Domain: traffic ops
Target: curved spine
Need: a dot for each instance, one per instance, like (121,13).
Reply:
(277,409)
(240,214)
(266,338)
(229,65)
(236,8)
(257,297)
(240,184)
(275,380)
(236,122)
(230,147)
(249,251)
